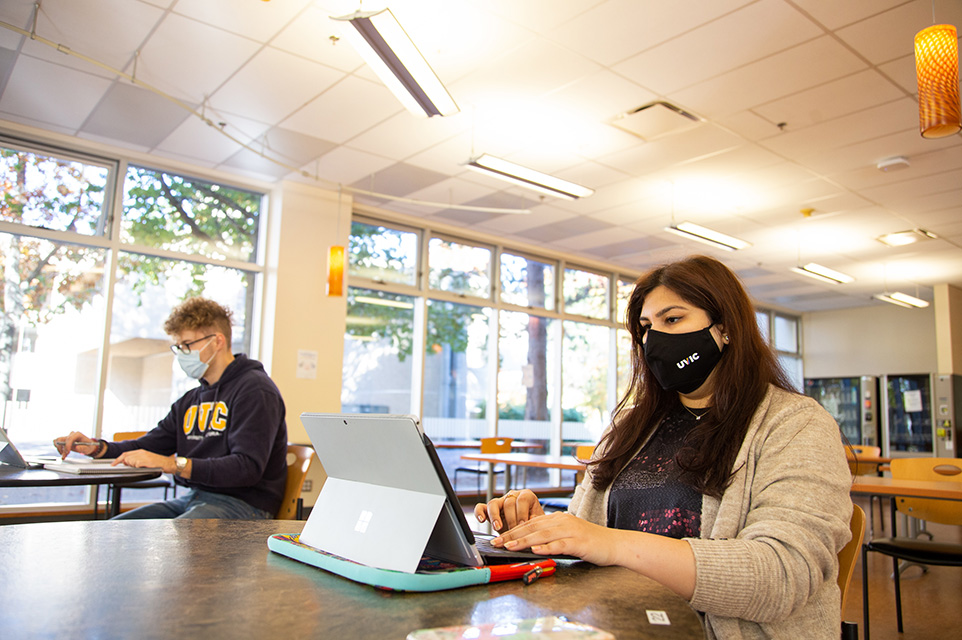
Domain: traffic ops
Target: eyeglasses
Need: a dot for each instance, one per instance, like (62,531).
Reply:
(183,348)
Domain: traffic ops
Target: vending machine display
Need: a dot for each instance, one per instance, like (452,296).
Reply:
(852,402)
(908,428)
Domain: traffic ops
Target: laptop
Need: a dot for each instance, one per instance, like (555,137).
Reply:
(9,454)
(387,500)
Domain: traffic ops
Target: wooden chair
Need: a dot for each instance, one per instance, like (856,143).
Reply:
(583,453)
(299,458)
(847,558)
(858,467)
(923,552)
(488,445)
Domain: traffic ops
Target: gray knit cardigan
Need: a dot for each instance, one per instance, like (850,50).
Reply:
(766,564)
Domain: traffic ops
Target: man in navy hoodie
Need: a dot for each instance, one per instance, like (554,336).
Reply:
(226,439)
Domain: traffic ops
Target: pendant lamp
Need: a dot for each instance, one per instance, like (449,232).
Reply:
(937,67)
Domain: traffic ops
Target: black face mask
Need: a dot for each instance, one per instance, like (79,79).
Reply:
(681,361)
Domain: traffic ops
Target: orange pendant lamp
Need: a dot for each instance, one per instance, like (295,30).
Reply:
(335,271)
(937,66)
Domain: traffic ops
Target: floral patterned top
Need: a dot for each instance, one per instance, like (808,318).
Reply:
(648,495)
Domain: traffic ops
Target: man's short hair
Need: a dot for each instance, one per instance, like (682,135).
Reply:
(199,314)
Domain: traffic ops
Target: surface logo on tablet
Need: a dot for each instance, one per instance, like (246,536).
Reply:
(363,521)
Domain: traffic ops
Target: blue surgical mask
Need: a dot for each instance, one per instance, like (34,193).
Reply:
(191,363)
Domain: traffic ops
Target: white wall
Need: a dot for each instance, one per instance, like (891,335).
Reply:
(871,340)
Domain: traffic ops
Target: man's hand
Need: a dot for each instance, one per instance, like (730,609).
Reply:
(141,458)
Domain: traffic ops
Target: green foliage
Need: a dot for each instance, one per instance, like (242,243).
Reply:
(188,215)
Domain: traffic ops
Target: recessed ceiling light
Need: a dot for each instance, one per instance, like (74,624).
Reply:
(902,238)
(819,272)
(902,300)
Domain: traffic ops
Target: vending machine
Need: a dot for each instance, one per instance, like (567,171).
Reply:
(908,415)
(852,401)
(948,412)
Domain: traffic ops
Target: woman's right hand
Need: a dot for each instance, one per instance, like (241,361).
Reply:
(510,510)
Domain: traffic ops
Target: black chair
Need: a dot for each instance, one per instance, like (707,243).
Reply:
(914,550)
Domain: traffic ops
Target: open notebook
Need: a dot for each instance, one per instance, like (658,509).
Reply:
(100,466)
(387,501)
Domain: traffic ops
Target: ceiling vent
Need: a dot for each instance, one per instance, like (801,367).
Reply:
(655,120)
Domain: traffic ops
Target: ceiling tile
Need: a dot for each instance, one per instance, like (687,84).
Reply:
(399,180)
(345,110)
(891,34)
(778,75)
(608,33)
(345,165)
(259,21)
(272,85)
(724,44)
(838,14)
(176,58)
(870,123)
(841,97)
(67,98)
(136,115)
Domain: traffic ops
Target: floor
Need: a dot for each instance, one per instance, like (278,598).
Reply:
(930,600)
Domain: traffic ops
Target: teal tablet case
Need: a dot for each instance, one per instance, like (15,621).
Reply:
(430,576)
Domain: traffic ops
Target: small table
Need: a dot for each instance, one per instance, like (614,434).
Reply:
(565,463)
(217,579)
(16,477)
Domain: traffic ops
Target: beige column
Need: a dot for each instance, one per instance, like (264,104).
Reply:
(948,328)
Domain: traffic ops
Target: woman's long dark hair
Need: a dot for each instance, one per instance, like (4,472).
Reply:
(741,379)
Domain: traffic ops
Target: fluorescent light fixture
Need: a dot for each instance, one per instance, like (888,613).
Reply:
(528,178)
(902,300)
(707,236)
(817,271)
(384,302)
(902,238)
(386,47)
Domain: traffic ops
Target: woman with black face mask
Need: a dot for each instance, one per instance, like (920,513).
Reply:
(716,478)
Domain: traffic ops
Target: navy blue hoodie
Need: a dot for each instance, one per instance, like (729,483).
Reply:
(233,431)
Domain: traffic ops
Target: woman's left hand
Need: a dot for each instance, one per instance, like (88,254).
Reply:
(563,534)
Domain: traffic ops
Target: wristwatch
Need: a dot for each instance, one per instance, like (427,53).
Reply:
(181,464)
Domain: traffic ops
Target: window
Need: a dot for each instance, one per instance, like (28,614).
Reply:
(378,253)
(378,349)
(54,192)
(64,364)
(585,372)
(456,370)
(459,268)
(586,293)
(191,216)
(527,282)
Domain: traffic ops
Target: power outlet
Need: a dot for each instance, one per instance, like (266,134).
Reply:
(308,485)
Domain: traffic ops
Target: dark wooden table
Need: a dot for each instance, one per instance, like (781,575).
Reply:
(217,579)
(16,477)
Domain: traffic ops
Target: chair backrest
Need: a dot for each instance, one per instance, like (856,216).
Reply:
(496,445)
(849,554)
(299,459)
(128,435)
(937,469)
(856,451)
(584,451)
